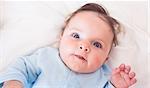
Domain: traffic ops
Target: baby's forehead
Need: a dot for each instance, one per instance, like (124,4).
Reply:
(89,17)
(91,14)
(86,13)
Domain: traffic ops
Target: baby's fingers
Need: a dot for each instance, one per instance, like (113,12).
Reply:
(131,75)
(133,81)
(132,78)
(127,69)
(126,78)
(122,67)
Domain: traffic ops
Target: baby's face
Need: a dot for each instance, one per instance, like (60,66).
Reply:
(86,42)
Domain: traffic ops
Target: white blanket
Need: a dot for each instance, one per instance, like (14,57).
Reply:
(25,26)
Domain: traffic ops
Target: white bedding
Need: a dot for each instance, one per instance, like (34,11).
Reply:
(25,26)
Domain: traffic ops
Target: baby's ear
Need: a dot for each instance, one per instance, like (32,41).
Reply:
(60,35)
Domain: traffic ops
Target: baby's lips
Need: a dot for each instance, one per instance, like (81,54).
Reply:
(81,56)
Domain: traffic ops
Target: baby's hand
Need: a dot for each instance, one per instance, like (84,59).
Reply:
(12,84)
(122,77)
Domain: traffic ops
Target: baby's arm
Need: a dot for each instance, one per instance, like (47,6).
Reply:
(24,71)
(12,84)
(122,77)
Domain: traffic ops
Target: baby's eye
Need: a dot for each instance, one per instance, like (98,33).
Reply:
(97,45)
(75,35)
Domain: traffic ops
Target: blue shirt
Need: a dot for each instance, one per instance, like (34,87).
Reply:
(44,69)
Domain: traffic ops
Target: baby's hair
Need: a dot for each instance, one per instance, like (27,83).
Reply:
(103,14)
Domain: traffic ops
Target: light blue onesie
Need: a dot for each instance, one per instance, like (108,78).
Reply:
(44,69)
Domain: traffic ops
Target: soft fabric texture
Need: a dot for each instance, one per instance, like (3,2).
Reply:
(26,26)
(45,69)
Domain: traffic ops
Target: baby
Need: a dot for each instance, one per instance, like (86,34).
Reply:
(85,43)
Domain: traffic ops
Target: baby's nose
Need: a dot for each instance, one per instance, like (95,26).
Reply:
(84,48)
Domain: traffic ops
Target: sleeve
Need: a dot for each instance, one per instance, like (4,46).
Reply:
(109,85)
(25,70)
(106,72)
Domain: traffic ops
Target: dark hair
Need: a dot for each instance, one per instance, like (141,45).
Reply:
(103,14)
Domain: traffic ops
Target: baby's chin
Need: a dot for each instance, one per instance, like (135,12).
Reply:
(81,70)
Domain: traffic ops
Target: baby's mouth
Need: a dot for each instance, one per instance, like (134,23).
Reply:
(80,57)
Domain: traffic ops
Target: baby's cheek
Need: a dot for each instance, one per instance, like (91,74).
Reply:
(68,42)
(96,62)
(63,43)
